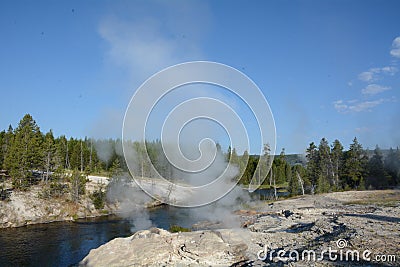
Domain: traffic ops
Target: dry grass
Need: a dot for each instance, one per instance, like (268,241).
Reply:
(387,198)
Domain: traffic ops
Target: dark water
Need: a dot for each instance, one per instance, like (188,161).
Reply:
(267,194)
(67,243)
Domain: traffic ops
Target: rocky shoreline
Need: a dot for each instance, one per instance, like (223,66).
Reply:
(26,208)
(345,224)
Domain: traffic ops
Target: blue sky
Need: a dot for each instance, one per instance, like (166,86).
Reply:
(327,68)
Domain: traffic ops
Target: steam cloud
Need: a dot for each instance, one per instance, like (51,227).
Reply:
(131,200)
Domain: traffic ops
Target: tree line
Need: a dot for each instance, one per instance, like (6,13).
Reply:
(330,168)
(30,155)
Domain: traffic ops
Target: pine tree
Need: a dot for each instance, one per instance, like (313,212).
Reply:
(337,163)
(294,183)
(8,139)
(51,160)
(280,168)
(354,166)
(377,176)
(77,185)
(25,154)
(2,135)
(325,177)
(392,166)
(115,168)
(312,165)
(322,184)
(141,158)
(298,181)
(245,165)
(264,164)
(234,157)
(74,153)
(228,154)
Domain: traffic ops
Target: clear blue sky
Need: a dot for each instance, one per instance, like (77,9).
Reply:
(328,68)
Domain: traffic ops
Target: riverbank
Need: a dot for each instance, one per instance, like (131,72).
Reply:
(345,223)
(28,207)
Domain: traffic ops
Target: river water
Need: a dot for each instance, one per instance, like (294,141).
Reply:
(67,243)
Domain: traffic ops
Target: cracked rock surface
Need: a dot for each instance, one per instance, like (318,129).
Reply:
(363,220)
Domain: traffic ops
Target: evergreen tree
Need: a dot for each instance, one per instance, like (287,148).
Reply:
(228,154)
(234,157)
(377,177)
(298,181)
(8,139)
(325,167)
(141,159)
(265,163)
(312,165)
(25,154)
(77,185)
(322,184)
(51,161)
(337,163)
(354,166)
(392,166)
(74,153)
(294,184)
(282,168)
(246,166)
(61,144)
(2,135)
(115,168)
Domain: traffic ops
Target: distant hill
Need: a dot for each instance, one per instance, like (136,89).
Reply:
(294,159)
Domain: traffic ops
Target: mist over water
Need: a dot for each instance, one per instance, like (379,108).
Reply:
(132,200)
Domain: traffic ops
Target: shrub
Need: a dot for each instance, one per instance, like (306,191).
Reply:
(98,197)
(176,228)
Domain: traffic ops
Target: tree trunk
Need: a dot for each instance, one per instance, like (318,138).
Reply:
(300,182)
(81,158)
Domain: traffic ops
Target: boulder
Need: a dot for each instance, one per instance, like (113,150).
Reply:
(158,247)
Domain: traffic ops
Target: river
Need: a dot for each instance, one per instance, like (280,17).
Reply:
(67,243)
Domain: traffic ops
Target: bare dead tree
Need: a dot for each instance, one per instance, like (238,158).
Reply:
(300,182)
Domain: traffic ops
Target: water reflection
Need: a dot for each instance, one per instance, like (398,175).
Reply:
(66,243)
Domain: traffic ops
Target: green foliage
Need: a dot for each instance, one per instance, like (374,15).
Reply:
(99,198)
(323,184)
(281,169)
(177,229)
(25,152)
(355,161)
(115,169)
(312,165)
(337,164)
(2,153)
(53,189)
(5,144)
(377,177)
(325,177)
(298,176)
(77,185)
(392,166)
